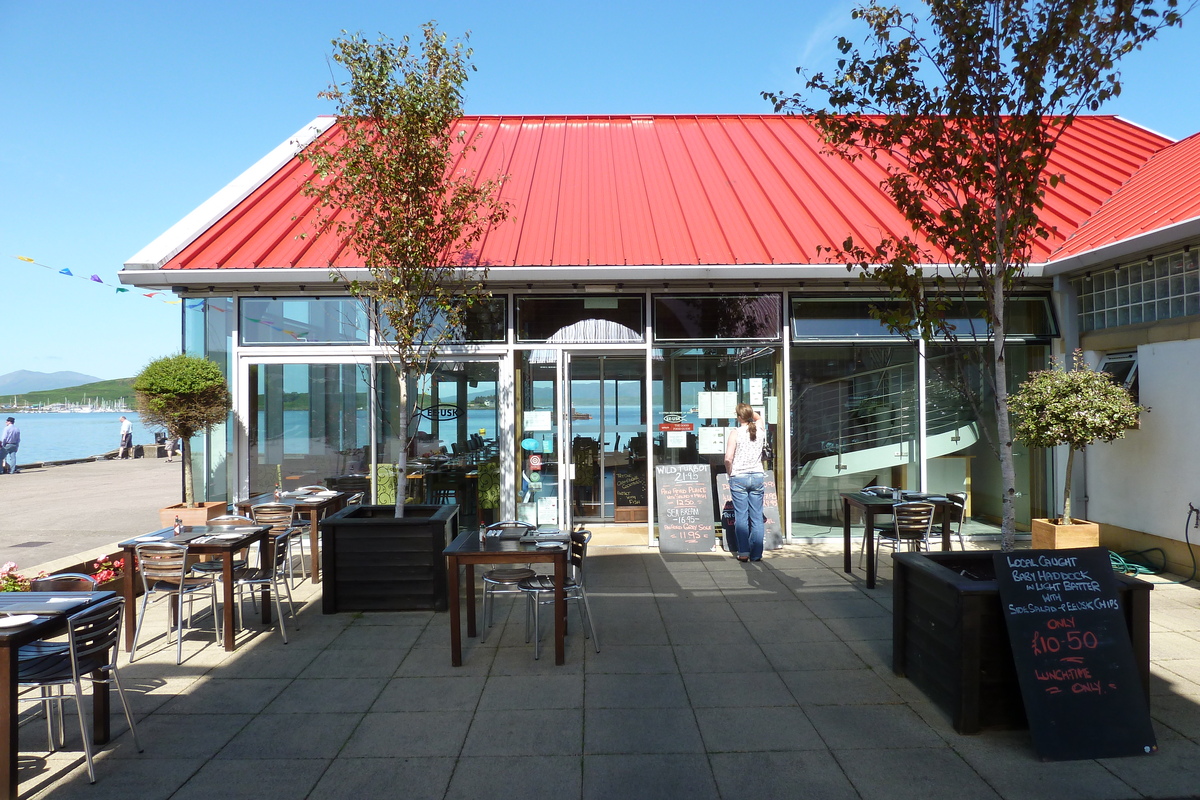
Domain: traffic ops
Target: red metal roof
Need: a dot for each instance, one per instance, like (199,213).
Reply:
(685,190)
(1164,192)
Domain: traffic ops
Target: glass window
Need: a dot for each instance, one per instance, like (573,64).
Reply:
(453,455)
(580,319)
(537,431)
(688,318)
(208,332)
(308,423)
(855,424)
(1123,367)
(483,322)
(695,392)
(302,320)
(823,318)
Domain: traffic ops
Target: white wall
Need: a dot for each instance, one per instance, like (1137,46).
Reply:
(1145,481)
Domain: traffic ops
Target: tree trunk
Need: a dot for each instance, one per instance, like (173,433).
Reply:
(1066,514)
(402,461)
(189,495)
(1008,470)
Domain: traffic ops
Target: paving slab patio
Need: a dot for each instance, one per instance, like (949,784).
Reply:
(714,680)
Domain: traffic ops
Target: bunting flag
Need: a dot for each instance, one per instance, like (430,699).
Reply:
(93,279)
(197,305)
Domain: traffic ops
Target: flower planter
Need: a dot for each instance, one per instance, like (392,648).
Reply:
(950,639)
(116,584)
(1049,535)
(200,515)
(372,561)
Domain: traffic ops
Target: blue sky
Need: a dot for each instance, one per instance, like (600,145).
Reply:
(124,116)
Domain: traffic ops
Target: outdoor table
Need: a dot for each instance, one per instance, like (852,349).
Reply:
(315,507)
(468,550)
(52,609)
(871,505)
(224,547)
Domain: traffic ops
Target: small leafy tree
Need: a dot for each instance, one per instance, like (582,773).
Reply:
(963,112)
(1073,407)
(393,186)
(187,395)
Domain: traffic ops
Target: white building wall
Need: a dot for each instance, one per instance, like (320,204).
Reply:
(1145,481)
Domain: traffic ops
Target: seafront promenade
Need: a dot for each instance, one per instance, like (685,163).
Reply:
(49,515)
(714,680)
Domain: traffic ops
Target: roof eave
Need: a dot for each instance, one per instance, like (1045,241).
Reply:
(173,241)
(1151,240)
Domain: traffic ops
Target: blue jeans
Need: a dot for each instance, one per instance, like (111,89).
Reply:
(747,493)
(10,456)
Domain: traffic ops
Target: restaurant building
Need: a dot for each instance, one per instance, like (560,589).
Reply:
(655,271)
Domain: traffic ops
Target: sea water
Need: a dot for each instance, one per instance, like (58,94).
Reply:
(58,437)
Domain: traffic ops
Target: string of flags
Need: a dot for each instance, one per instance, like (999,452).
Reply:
(96,279)
(196,305)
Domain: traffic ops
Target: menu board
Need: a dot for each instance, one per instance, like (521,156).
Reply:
(685,508)
(630,487)
(773,526)
(1083,695)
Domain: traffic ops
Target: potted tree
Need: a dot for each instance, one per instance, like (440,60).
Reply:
(1075,408)
(187,395)
(392,185)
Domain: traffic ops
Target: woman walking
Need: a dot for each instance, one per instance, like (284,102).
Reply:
(743,463)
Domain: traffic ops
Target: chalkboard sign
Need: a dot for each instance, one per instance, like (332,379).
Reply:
(685,508)
(630,487)
(1075,664)
(772,526)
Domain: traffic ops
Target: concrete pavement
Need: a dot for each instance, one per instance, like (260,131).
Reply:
(715,680)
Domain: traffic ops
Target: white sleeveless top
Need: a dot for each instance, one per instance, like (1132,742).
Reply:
(747,457)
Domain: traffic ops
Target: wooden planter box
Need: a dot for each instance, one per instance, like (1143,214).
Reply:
(1048,535)
(116,584)
(950,639)
(200,515)
(371,561)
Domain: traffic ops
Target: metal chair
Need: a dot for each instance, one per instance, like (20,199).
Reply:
(92,636)
(862,547)
(911,524)
(959,501)
(270,577)
(502,580)
(64,582)
(539,591)
(60,582)
(164,571)
(282,519)
(212,566)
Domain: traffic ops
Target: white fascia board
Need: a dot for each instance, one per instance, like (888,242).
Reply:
(1176,234)
(319,277)
(171,242)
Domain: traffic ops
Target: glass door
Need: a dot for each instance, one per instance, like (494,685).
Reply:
(606,433)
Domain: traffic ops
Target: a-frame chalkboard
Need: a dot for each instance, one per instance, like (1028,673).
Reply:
(1075,664)
(683,493)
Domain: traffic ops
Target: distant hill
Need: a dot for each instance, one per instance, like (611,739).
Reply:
(24,380)
(88,393)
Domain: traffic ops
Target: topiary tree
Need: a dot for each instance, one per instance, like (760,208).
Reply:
(187,395)
(1075,407)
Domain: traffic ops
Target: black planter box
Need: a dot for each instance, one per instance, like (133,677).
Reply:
(372,561)
(950,639)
